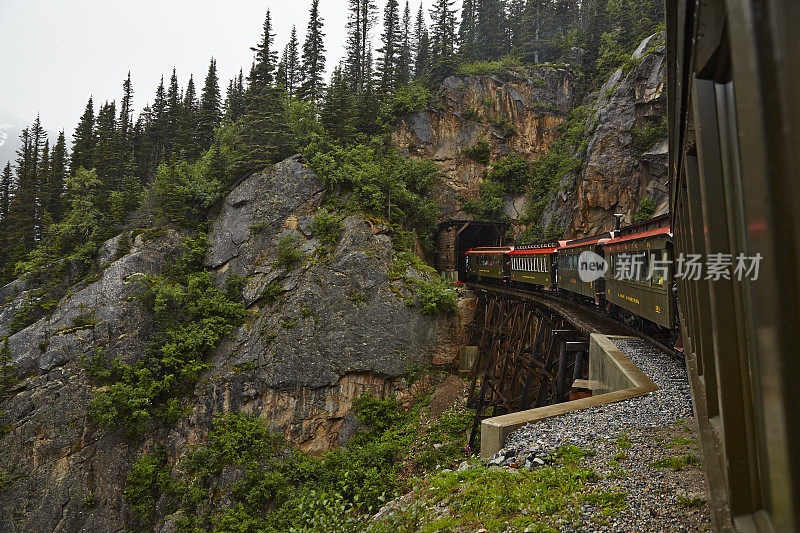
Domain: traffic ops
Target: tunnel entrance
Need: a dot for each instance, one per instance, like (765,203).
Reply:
(454,237)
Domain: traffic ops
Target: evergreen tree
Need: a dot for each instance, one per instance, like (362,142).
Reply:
(336,112)
(516,29)
(235,99)
(263,69)
(52,200)
(467,35)
(368,103)
(491,33)
(421,45)
(126,108)
(83,140)
(188,123)
(291,64)
(443,39)
(361,18)
(108,159)
(391,40)
(210,113)
(404,60)
(173,117)
(264,137)
(313,65)
(6,181)
(533,23)
(22,210)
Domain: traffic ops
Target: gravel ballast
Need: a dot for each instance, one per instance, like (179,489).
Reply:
(646,448)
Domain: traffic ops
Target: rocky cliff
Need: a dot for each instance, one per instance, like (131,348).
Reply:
(317,336)
(513,113)
(623,154)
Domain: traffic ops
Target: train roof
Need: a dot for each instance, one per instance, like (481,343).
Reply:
(490,250)
(664,230)
(537,248)
(592,239)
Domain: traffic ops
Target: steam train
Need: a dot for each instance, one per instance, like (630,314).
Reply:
(634,280)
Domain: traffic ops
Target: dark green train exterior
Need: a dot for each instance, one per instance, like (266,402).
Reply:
(646,290)
(534,264)
(568,278)
(486,263)
(734,133)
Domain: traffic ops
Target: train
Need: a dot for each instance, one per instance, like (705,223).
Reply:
(734,154)
(632,281)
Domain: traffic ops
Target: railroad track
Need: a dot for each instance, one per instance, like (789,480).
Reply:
(583,318)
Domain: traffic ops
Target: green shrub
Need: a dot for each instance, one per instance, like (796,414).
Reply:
(503,66)
(436,297)
(327,227)
(645,210)
(192,317)
(379,415)
(491,204)
(644,137)
(481,151)
(513,171)
(148,479)
(288,256)
(234,285)
(409,99)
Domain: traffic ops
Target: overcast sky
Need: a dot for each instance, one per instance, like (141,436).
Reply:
(55,53)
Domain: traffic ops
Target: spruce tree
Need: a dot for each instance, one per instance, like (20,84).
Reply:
(264,136)
(313,65)
(172,117)
(188,122)
(108,158)
(421,45)
(291,64)
(52,200)
(83,140)
(443,40)
(391,40)
(126,108)
(491,35)
(21,220)
(6,181)
(361,19)
(467,36)
(235,99)
(210,114)
(336,112)
(404,60)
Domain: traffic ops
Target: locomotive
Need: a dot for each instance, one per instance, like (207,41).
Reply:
(643,296)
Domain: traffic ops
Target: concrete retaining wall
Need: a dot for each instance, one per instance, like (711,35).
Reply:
(615,376)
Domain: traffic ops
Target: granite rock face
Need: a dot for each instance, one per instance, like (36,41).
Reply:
(339,325)
(513,113)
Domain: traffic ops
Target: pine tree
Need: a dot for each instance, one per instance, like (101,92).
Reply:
(6,181)
(234,99)
(491,35)
(313,65)
(391,40)
(291,64)
(516,28)
(404,60)
(52,200)
(368,103)
(467,36)
(126,108)
(264,137)
(443,39)
(336,112)
(83,140)
(21,221)
(533,23)
(173,116)
(361,18)
(421,46)
(188,122)
(108,158)
(262,72)
(210,114)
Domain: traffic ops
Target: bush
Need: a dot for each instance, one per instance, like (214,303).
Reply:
(513,171)
(436,297)
(645,210)
(288,256)
(491,204)
(327,227)
(148,479)
(481,151)
(646,136)
(503,66)
(379,415)
(409,99)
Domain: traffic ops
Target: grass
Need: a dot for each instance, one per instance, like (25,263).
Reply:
(679,441)
(689,502)
(623,442)
(677,462)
